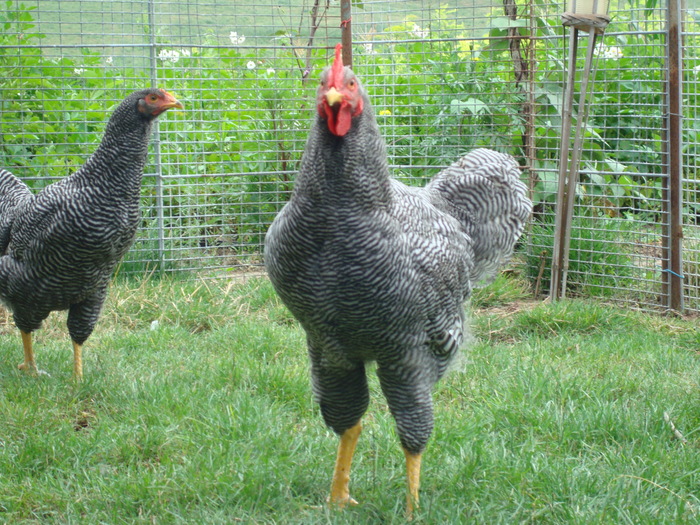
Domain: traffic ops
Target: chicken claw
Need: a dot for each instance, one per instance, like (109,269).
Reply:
(31,369)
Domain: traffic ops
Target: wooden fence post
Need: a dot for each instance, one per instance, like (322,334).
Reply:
(346,34)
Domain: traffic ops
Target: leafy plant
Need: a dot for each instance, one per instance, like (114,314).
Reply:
(227,164)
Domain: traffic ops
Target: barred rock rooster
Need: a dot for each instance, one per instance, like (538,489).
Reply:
(378,271)
(60,246)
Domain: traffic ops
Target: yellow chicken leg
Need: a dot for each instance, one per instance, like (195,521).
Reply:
(77,361)
(340,493)
(413,475)
(28,365)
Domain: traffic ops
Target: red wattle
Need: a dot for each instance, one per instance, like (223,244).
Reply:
(339,121)
(344,120)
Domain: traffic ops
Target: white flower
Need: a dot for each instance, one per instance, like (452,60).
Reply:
(369,49)
(235,39)
(418,32)
(169,55)
(185,53)
(611,52)
(270,71)
(109,60)
(79,70)
(250,65)
(696,69)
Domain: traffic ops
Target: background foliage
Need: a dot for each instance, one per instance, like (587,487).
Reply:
(441,84)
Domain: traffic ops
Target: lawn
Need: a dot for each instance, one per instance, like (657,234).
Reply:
(196,408)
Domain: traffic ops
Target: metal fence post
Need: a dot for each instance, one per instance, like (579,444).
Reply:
(673,201)
(160,219)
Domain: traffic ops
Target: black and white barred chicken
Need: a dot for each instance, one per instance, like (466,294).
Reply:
(378,271)
(60,246)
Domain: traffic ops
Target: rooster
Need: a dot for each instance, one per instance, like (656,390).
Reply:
(375,270)
(60,246)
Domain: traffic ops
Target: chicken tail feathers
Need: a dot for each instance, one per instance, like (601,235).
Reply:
(484,192)
(13,193)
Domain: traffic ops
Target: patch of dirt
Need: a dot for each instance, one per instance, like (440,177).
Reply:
(509,309)
(83,420)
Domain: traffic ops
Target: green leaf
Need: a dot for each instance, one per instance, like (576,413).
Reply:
(471,105)
(503,22)
(614,165)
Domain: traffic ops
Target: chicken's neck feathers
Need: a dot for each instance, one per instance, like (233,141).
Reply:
(352,169)
(117,164)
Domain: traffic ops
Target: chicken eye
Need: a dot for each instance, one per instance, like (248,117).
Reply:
(153,98)
(351,83)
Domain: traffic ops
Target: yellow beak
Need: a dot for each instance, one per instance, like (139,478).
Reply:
(333,96)
(172,102)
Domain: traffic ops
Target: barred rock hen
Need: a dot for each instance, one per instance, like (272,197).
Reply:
(60,246)
(378,271)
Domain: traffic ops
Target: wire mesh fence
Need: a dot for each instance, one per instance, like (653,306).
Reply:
(444,77)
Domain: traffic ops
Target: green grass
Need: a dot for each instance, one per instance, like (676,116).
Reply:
(557,416)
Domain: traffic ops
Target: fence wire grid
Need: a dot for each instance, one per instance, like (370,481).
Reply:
(444,77)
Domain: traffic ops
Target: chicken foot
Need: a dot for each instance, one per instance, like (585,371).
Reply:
(29,364)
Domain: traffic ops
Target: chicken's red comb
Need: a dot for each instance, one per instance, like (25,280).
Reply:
(337,69)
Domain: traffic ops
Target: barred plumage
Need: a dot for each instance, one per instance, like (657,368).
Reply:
(376,270)
(13,193)
(63,244)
